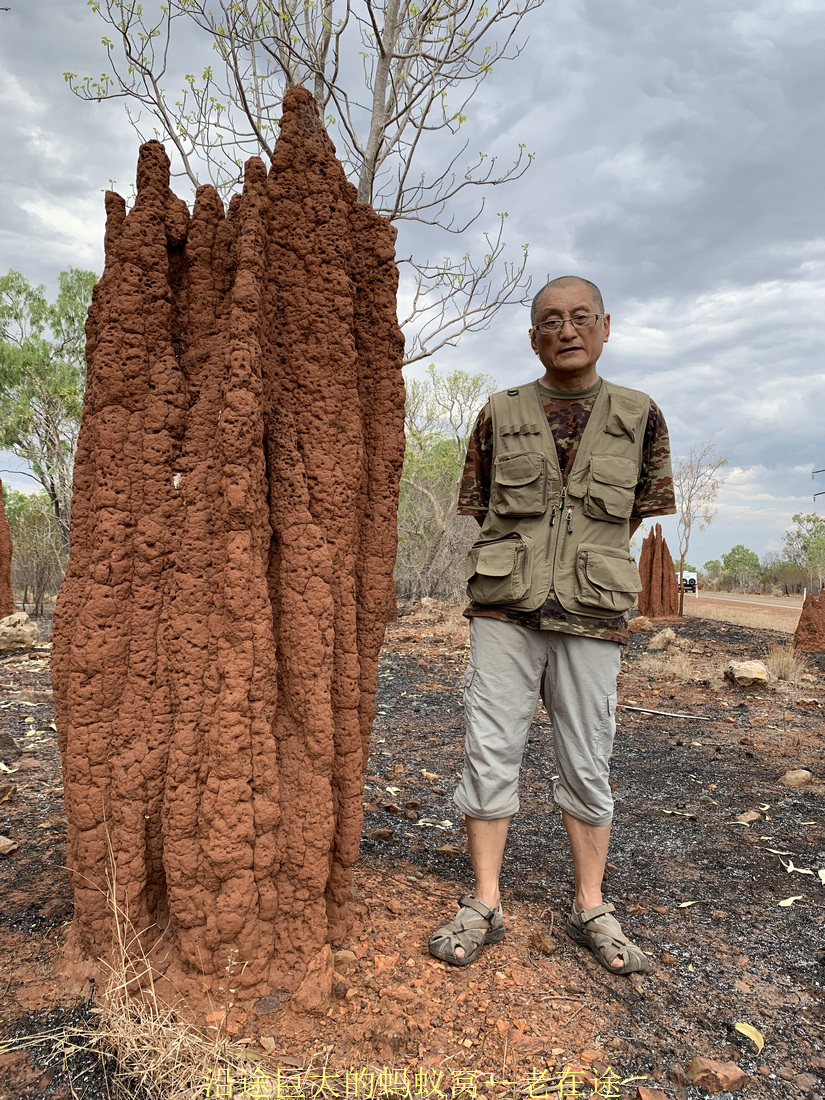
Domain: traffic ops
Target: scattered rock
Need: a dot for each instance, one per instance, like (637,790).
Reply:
(448,850)
(395,907)
(640,625)
(385,963)
(7,792)
(715,1077)
(313,994)
(9,749)
(7,845)
(662,640)
(344,957)
(797,777)
(27,764)
(643,1093)
(266,1006)
(749,817)
(746,673)
(380,834)
(810,630)
(668,960)
(805,1082)
(34,697)
(807,701)
(17,631)
(542,943)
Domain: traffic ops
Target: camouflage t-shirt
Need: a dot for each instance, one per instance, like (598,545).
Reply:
(567,414)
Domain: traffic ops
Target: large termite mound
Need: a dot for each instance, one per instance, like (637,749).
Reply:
(810,630)
(659,597)
(233,538)
(6,594)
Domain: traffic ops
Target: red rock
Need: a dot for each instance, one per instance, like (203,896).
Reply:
(715,1076)
(810,630)
(643,1093)
(6,594)
(233,538)
(659,597)
(805,1082)
(641,625)
(313,994)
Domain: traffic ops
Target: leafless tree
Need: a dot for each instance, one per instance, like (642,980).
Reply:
(696,480)
(388,76)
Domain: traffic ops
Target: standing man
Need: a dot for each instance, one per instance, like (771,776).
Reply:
(559,474)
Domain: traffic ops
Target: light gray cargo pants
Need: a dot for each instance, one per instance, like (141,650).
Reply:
(509,666)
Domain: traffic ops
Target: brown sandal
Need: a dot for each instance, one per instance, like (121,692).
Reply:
(597,929)
(474,925)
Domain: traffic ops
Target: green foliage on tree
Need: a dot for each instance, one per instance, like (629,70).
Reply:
(742,564)
(805,546)
(432,537)
(39,557)
(42,379)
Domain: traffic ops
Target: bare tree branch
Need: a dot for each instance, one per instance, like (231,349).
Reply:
(422,65)
(696,482)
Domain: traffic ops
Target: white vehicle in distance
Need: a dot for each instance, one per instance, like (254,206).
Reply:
(688,581)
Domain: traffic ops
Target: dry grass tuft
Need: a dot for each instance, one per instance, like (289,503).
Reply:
(784,662)
(671,662)
(148,1051)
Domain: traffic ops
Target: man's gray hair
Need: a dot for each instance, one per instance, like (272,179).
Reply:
(567,280)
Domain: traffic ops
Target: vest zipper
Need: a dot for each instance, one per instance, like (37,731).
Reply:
(569,517)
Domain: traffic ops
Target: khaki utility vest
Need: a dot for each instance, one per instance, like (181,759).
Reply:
(542,535)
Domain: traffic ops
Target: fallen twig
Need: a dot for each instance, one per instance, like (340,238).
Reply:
(666,713)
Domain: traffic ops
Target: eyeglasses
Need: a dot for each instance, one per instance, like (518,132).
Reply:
(556,324)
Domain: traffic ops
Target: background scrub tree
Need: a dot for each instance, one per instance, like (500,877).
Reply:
(390,78)
(805,545)
(742,564)
(432,537)
(39,557)
(42,379)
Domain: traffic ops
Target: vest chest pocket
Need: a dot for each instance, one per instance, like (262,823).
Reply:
(496,570)
(606,578)
(610,492)
(519,486)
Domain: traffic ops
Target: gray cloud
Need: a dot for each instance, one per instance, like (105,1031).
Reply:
(678,164)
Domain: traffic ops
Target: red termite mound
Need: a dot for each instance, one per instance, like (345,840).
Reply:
(233,539)
(659,597)
(810,630)
(6,594)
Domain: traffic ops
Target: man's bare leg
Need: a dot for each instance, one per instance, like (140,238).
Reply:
(486,840)
(588,845)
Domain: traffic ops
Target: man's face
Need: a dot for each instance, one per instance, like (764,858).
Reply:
(571,350)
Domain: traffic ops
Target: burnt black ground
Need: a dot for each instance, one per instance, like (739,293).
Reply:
(734,930)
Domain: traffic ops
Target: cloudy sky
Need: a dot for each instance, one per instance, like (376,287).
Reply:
(678,163)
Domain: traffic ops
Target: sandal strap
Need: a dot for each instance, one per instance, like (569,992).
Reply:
(602,910)
(467,901)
